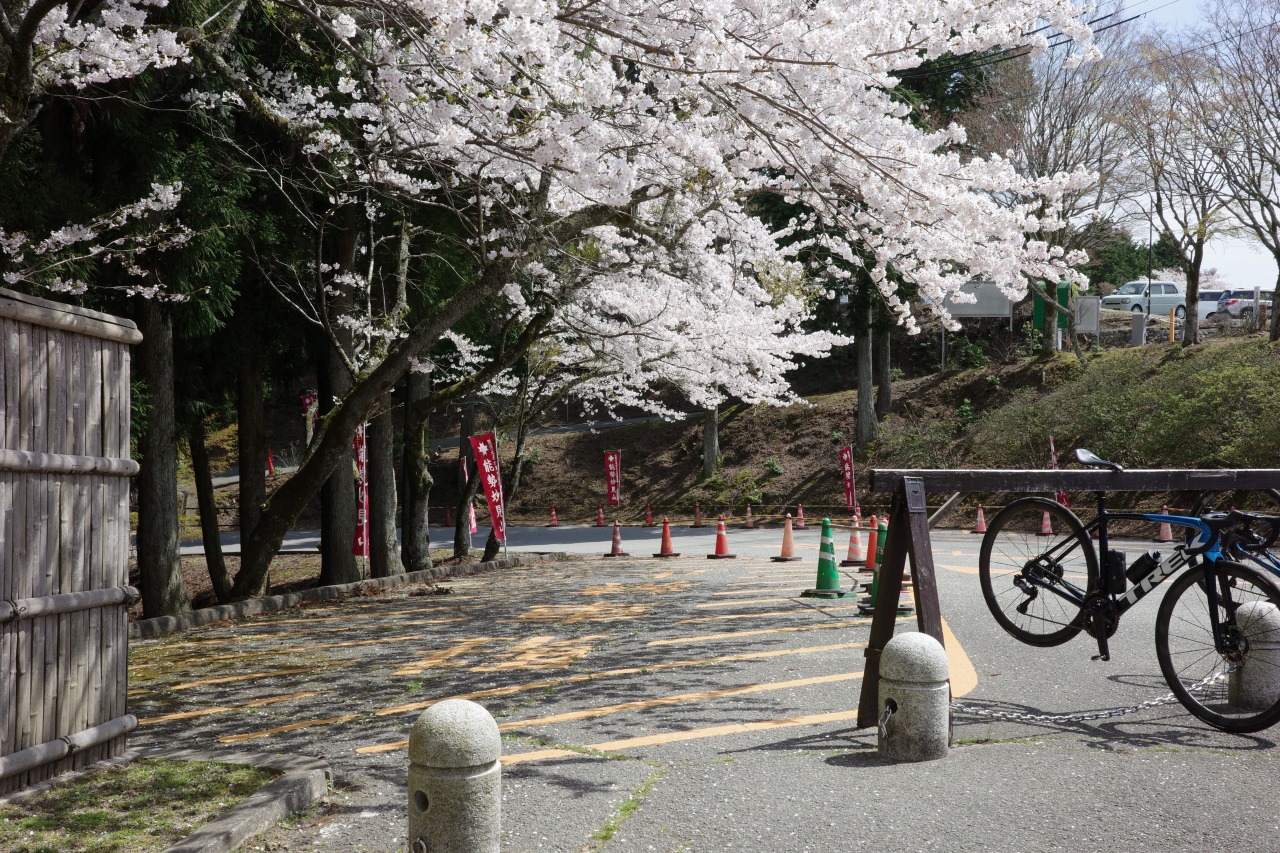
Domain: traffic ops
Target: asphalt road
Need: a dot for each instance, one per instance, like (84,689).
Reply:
(702,705)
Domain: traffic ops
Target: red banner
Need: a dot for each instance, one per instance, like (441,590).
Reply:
(1060,496)
(613,476)
(846,465)
(360,543)
(485,448)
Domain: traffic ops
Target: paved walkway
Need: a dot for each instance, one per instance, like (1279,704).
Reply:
(718,701)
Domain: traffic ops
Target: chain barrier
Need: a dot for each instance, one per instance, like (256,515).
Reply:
(883,724)
(1167,699)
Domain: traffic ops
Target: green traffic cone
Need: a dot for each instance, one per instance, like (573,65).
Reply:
(828,583)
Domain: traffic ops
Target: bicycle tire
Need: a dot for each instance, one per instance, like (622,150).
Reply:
(1012,543)
(1220,688)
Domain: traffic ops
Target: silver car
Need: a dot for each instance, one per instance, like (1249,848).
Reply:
(1160,297)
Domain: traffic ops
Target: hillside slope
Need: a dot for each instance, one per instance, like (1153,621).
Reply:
(1214,405)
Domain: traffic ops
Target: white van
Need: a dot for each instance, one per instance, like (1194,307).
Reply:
(1162,296)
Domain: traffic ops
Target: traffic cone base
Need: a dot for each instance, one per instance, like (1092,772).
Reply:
(722,544)
(828,583)
(799,525)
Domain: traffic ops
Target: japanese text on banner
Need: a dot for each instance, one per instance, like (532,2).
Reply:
(613,476)
(485,448)
(846,468)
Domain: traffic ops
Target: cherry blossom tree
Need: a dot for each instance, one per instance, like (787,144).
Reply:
(593,163)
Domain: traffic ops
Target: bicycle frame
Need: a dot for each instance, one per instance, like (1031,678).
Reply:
(1184,556)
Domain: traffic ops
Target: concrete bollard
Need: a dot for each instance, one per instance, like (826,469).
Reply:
(1256,684)
(915,688)
(455,780)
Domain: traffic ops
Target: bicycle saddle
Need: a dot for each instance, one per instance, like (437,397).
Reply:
(1084,457)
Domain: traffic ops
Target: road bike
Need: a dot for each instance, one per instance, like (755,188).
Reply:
(1218,627)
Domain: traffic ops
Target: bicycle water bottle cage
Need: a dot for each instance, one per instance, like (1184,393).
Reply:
(1085,457)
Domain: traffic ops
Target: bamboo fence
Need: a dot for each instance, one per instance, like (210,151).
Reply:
(64,537)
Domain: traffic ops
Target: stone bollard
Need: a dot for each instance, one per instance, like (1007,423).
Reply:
(455,780)
(1256,684)
(914,685)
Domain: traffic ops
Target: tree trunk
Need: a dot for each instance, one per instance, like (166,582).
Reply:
(1191,321)
(1275,310)
(867,427)
(159,563)
(884,384)
(710,441)
(251,439)
(467,490)
(384,547)
(333,441)
(209,533)
(338,494)
(417,481)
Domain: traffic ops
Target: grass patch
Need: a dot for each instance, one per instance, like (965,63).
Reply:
(147,805)
(611,826)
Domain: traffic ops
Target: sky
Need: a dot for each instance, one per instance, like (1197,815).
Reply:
(1240,263)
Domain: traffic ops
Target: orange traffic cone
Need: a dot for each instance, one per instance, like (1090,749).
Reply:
(648,516)
(856,555)
(667,549)
(788,547)
(697,516)
(982,522)
(873,537)
(722,543)
(617,551)
(800,517)
(555,522)
(1046,525)
(271,463)
(749,523)
(1166,533)
(599,515)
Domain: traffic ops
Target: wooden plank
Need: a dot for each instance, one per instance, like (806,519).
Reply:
(9,339)
(1088,480)
(42,313)
(8,631)
(64,463)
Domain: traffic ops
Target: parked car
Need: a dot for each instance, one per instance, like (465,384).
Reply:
(1238,304)
(1163,296)
(1207,304)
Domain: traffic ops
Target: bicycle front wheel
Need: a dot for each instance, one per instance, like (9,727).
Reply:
(1232,682)
(1032,545)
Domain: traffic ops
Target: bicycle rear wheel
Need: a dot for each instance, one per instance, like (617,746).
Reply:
(1016,552)
(1234,685)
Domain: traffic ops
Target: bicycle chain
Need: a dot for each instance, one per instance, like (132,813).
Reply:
(1167,699)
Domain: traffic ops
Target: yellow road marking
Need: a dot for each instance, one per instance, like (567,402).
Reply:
(204,712)
(964,570)
(963,676)
(445,657)
(186,685)
(653,588)
(643,704)
(543,653)
(571,614)
(349,644)
(802,611)
(291,727)
(690,734)
(734,635)
(612,673)
(739,603)
(799,585)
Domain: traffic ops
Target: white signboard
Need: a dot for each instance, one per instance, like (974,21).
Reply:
(1088,314)
(989,301)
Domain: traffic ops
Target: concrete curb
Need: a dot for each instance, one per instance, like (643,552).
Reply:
(145,629)
(304,781)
